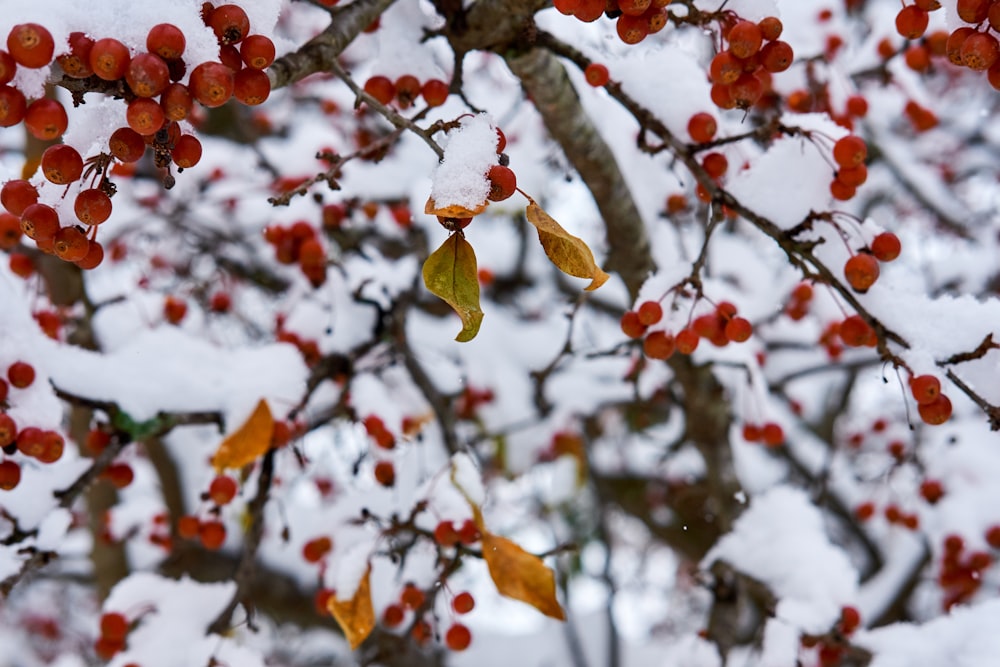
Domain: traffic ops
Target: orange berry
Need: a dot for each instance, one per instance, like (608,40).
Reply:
(658,345)
(10,475)
(21,374)
(886,247)
(925,389)
(412,597)
(314,550)
(211,84)
(222,489)
(911,22)
(650,312)
(772,434)
(686,341)
(861,272)
(850,151)
(503,182)
(458,637)
(632,326)
(393,616)
(463,603)
(745,39)
(701,127)
(212,534)
(596,74)
(738,329)
(381,88)
(30,45)
(187,526)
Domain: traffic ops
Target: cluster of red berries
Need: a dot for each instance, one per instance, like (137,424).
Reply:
(211,532)
(333,215)
(741,73)
(43,445)
(933,406)
(974,47)
(316,549)
(149,82)
(114,631)
(636,19)
(720,327)
(862,269)
(299,244)
(62,165)
(962,573)
(309,349)
(849,154)
(769,433)
(830,650)
(892,512)
(446,534)
(378,432)
(406,89)
(799,301)
(457,637)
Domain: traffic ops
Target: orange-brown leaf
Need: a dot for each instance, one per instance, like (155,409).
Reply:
(569,253)
(248,442)
(453,210)
(355,616)
(520,575)
(450,273)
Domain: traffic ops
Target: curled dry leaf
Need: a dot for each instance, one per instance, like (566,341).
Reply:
(450,273)
(520,575)
(248,442)
(356,616)
(453,210)
(569,253)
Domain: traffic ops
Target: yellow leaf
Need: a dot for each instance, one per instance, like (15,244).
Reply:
(355,616)
(453,210)
(450,273)
(248,442)
(569,253)
(520,575)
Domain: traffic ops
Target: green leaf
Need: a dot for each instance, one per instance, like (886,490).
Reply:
(569,253)
(450,273)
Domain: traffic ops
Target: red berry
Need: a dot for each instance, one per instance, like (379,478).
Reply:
(385,473)
(850,151)
(212,534)
(381,88)
(71,244)
(174,309)
(166,40)
(92,206)
(251,86)
(109,59)
(257,51)
(187,526)
(886,247)
(114,626)
(76,63)
(911,22)
(650,312)
(701,127)
(980,51)
(393,616)
(715,164)
(18,195)
(62,164)
(738,329)
(596,74)
(503,183)
(21,374)
(463,603)
(145,116)
(850,619)
(412,597)
(686,341)
(8,67)
(211,84)
(772,434)
(445,534)
(777,56)
(30,45)
(8,427)
(932,490)
(46,119)
(935,412)
(119,474)
(770,28)
(315,549)
(13,106)
(632,326)
(469,532)
(458,637)
(222,489)
(925,389)
(855,332)
(434,92)
(10,475)
(126,144)
(632,29)
(864,511)
(659,345)
(186,153)
(973,11)
(230,23)
(861,272)
(992,536)
(745,39)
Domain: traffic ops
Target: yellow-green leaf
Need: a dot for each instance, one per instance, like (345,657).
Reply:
(248,442)
(450,273)
(356,616)
(520,575)
(569,253)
